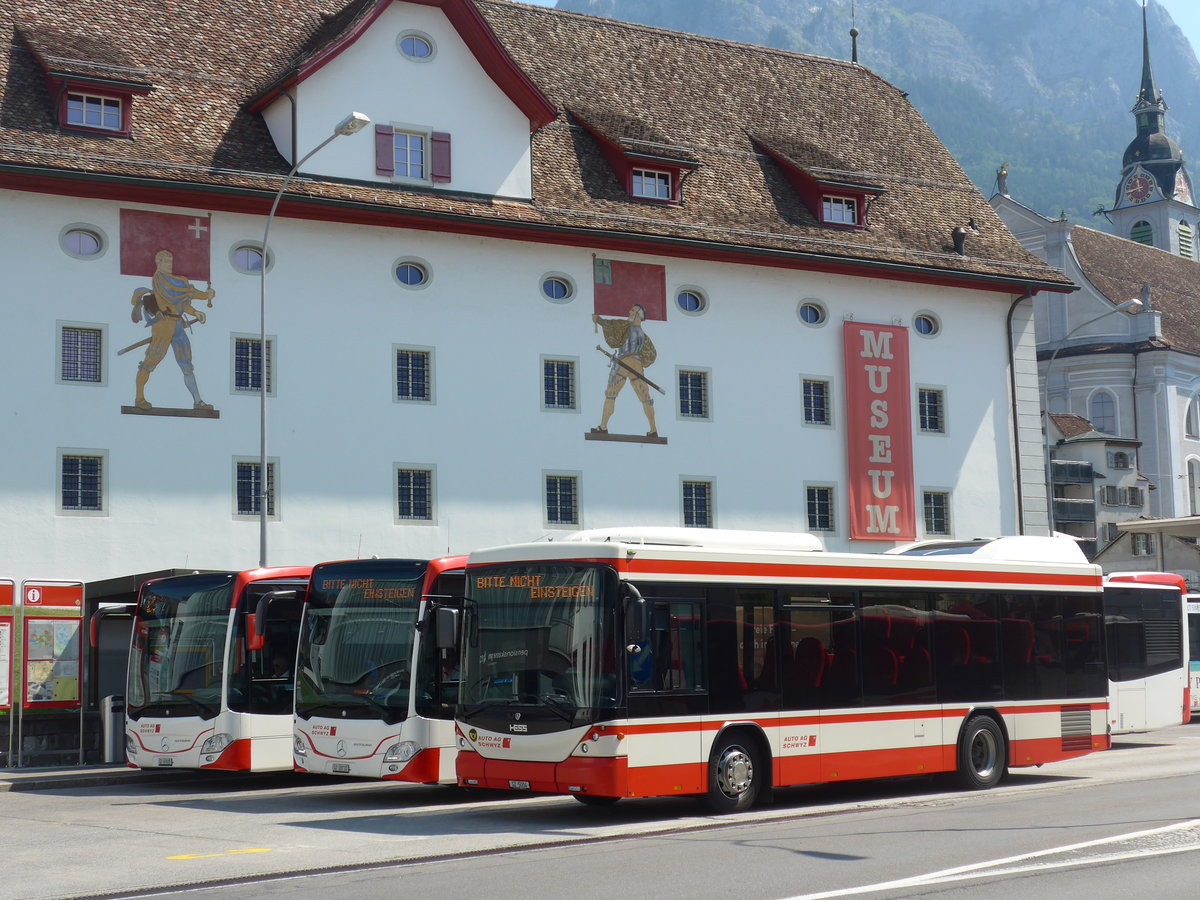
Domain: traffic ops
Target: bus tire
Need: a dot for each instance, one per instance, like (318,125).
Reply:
(982,757)
(734,775)
(595,799)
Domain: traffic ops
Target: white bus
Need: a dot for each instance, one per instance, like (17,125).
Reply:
(375,694)
(1145,624)
(649,662)
(210,671)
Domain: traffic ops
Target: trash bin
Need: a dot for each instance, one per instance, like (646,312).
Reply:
(112,727)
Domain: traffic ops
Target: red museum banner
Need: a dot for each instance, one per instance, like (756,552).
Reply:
(879,433)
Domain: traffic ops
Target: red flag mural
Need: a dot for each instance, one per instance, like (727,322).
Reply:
(145,233)
(879,433)
(619,285)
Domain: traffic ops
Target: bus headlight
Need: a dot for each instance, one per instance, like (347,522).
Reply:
(130,746)
(216,743)
(298,746)
(401,752)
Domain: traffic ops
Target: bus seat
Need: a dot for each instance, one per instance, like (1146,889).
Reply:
(809,664)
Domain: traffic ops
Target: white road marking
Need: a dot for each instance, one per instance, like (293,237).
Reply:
(1007,865)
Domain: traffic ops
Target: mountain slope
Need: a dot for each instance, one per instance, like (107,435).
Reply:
(1043,85)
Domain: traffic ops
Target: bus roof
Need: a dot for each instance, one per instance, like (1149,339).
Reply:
(718,555)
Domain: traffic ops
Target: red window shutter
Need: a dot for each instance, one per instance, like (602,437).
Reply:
(440,165)
(385,161)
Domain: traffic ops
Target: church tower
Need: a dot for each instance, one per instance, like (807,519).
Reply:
(1154,203)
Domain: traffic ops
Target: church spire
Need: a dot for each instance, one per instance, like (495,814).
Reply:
(1149,108)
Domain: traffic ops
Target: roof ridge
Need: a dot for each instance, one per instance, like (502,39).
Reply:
(677,35)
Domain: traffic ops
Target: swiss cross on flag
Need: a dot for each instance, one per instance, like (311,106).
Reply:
(145,233)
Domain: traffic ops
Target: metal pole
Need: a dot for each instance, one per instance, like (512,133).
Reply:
(349,125)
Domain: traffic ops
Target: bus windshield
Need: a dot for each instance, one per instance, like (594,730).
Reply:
(540,636)
(356,642)
(178,648)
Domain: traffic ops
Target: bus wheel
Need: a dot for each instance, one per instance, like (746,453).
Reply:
(981,755)
(733,776)
(595,799)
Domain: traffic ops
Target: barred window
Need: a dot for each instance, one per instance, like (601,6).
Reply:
(80,354)
(816,402)
(558,384)
(820,508)
(937,512)
(82,483)
(931,410)
(248,488)
(697,504)
(247,365)
(414,494)
(693,394)
(562,500)
(414,375)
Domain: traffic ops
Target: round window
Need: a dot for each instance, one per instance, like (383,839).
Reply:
(556,289)
(247,259)
(412,273)
(415,45)
(691,301)
(926,325)
(83,243)
(811,312)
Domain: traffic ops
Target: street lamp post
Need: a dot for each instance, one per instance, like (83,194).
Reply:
(353,123)
(1133,305)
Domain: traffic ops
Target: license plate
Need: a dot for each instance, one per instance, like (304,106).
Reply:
(165,761)
(341,769)
(519,785)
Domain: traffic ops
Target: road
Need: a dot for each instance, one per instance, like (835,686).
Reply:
(1124,821)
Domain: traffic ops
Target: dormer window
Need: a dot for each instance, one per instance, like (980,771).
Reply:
(93,81)
(647,165)
(651,185)
(825,184)
(839,210)
(87,111)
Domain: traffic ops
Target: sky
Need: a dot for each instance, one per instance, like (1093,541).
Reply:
(1186,14)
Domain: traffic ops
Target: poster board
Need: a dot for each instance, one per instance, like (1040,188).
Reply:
(51,643)
(6,661)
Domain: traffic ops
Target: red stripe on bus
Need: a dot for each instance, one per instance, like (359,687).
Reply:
(234,758)
(829,572)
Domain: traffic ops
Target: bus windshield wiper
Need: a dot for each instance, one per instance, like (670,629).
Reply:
(556,703)
(206,711)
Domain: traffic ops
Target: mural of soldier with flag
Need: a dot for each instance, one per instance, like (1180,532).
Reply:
(169,248)
(638,291)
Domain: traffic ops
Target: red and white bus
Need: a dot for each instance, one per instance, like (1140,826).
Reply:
(210,671)
(375,693)
(650,662)
(1145,624)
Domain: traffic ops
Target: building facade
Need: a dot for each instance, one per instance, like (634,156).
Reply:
(574,273)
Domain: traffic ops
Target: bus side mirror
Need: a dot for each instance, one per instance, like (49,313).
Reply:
(256,622)
(445,626)
(637,615)
(256,637)
(127,609)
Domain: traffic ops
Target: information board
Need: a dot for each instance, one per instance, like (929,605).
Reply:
(52,662)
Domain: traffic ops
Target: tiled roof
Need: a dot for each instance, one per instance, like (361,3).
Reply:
(701,98)
(1117,267)
(1071,425)
(90,56)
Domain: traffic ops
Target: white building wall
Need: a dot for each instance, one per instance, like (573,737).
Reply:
(336,314)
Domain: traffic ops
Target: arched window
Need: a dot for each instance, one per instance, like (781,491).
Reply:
(1191,420)
(1102,410)
(1142,233)
(1193,479)
(1186,244)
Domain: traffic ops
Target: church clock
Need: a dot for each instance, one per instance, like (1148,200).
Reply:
(1138,188)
